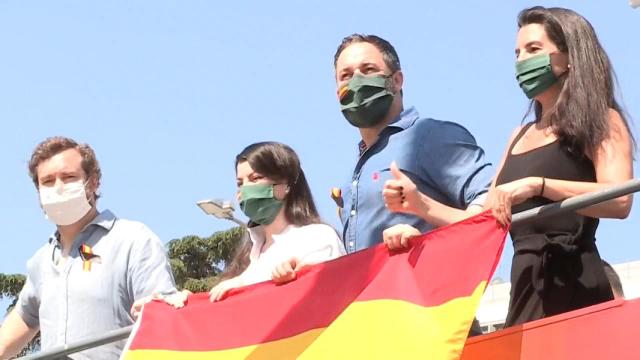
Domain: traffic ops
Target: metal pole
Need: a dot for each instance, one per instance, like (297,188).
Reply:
(577,202)
(242,224)
(571,204)
(63,350)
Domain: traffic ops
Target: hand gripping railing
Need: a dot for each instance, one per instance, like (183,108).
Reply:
(578,202)
(571,204)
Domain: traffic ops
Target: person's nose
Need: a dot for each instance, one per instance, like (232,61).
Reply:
(58,185)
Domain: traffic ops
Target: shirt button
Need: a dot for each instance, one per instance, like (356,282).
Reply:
(355,182)
(350,244)
(353,213)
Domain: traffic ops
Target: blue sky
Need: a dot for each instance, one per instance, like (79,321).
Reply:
(168,92)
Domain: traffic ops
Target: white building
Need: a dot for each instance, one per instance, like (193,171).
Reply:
(494,303)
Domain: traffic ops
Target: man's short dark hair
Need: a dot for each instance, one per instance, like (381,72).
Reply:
(389,54)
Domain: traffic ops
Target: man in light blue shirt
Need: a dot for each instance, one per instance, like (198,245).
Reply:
(84,281)
(441,158)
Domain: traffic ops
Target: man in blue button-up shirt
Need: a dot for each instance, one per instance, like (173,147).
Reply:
(441,158)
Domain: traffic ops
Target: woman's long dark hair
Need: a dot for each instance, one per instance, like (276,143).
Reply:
(280,163)
(580,117)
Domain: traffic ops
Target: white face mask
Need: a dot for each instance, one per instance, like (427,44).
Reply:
(65,205)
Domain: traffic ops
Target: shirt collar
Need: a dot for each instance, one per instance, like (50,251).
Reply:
(105,219)
(257,234)
(405,120)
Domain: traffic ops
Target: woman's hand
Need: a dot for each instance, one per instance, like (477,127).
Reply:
(504,196)
(218,291)
(287,270)
(137,306)
(398,236)
(178,300)
(401,194)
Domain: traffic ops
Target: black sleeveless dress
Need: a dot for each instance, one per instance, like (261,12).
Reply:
(556,266)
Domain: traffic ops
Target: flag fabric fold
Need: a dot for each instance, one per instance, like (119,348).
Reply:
(417,303)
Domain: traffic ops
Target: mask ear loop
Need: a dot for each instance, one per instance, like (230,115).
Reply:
(390,81)
(289,186)
(96,193)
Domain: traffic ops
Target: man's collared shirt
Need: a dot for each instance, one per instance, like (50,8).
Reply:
(92,290)
(441,158)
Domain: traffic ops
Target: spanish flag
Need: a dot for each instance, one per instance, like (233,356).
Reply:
(373,304)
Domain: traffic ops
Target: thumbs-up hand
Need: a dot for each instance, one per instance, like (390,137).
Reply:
(401,194)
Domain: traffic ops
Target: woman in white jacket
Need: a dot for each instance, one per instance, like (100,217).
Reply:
(285,231)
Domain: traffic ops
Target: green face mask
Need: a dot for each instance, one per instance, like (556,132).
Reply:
(365,100)
(535,75)
(259,204)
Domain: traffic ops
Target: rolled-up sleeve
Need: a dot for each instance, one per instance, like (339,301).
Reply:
(456,164)
(150,270)
(28,305)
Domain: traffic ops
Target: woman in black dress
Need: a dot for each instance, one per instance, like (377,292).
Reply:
(579,142)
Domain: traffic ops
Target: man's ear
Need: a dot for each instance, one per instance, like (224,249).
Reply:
(92,190)
(398,80)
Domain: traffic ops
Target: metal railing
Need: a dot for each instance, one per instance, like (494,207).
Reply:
(577,202)
(571,204)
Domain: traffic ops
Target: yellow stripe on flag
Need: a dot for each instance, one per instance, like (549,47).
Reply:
(267,351)
(411,331)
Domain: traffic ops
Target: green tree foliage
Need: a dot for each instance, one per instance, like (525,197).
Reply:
(196,261)
(10,286)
